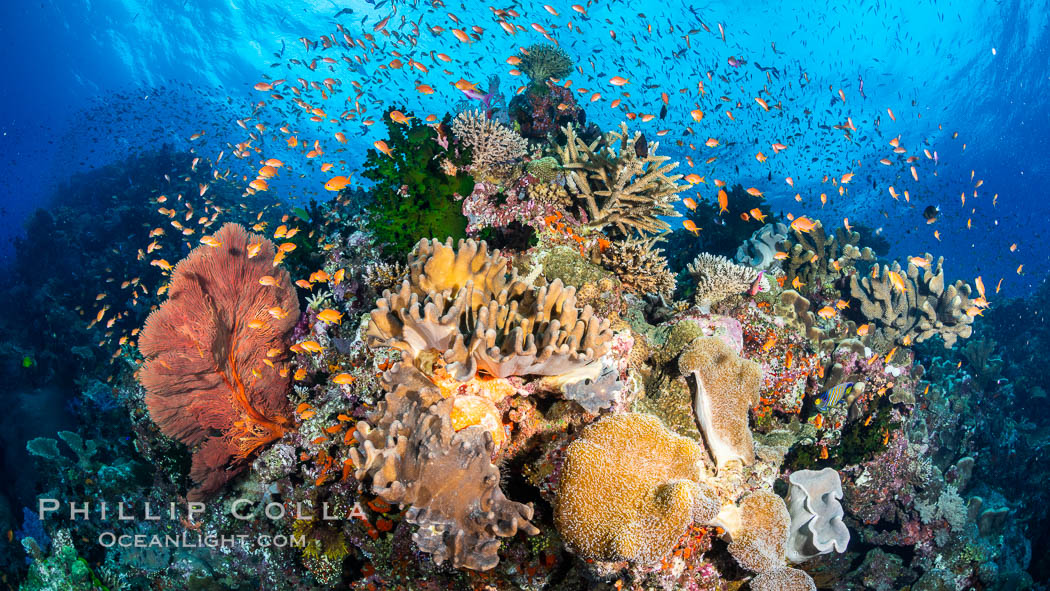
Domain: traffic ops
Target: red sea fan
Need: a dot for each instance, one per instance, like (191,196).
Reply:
(215,371)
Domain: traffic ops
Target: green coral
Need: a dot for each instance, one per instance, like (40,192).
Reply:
(568,265)
(415,195)
(545,169)
(542,61)
(62,570)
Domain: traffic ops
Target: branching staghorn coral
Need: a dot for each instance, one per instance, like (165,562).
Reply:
(413,454)
(909,307)
(641,268)
(629,488)
(542,61)
(620,181)
(464,304)
(209,379)
(718,278)
(490,141)
(813,256)
(726,388)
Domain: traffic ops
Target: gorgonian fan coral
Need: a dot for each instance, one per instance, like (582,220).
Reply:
(214,355)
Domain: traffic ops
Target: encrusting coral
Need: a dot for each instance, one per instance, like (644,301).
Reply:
(629,488)
(907,307)
(620,181)
(463,303)
(412,454)
(726,388)
(490,141)
(816,514)
(210,380)
(641,268)
(717,278)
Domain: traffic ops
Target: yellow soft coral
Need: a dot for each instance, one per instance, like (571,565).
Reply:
(726,387)
(629,489)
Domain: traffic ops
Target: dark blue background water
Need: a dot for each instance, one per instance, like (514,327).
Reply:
(87,83)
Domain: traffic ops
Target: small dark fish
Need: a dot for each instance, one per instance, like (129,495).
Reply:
(930,213)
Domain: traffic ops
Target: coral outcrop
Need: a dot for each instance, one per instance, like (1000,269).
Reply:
(629,488)
(814,256)
(412,454)
(463,303)
(717,278)
(907,307)
(726,388)
(490,141)
(816,514)
(619,181)
(214,353)
(641,268)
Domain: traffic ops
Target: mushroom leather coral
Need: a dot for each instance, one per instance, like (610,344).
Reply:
(206,381)
(463,303)
(413,455)
(629,489)
(726,387)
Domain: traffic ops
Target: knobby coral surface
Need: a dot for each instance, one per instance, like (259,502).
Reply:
(208,377)
(718,278)
(412,454)
(490,141)
(629,488)
(619,181)
(813,256)
(914,306)
(464,304)
(726,388)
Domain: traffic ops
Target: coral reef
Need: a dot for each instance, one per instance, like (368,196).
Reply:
(726,388)
(816,515)
(607,513)
(619,181)
(813,257)
(641,267)
(906,307)
(717,278)
(209,363)
(462,303)
(490,142)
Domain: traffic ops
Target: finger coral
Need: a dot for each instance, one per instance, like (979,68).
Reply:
(726,387)
(816,514)
(208,377)
(629,488)
(812,256)
(718,278)
(490,141)
(464,304)
(909,307)
(412,454)
(620,181)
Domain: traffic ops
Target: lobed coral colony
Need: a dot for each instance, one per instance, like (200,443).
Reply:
(519,392)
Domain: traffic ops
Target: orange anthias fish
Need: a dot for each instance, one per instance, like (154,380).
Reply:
(691,226)
(382,147)
(723,202)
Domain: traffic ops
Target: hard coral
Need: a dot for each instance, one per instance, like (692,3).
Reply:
(641,268)
(490,141)
(464,304)
(726,387)
(629,488)
(619,181)
(208,379)
(919,307)
(413,455)
(813,256)
(718,278)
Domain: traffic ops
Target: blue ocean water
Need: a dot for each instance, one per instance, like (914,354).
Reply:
(864,114)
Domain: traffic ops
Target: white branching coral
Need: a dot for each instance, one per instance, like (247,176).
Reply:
(718,278)
(620,181)
(490,141)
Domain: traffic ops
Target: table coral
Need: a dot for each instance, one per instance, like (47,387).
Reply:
(210,380)
(726,387)
(629,489)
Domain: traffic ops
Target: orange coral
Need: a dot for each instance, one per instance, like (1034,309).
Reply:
(207,376)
